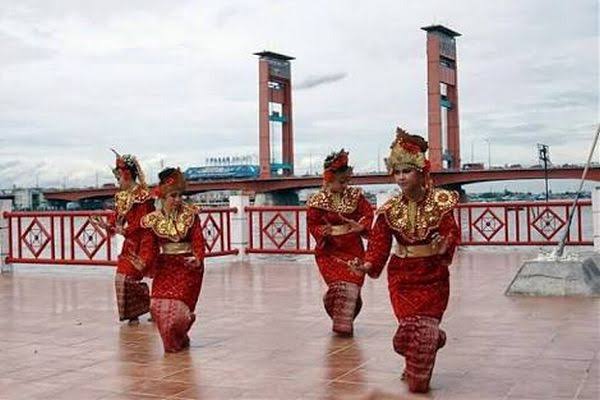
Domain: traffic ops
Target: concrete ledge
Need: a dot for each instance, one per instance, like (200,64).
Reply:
(558,278)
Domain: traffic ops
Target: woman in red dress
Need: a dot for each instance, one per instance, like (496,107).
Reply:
(132,202)
(174,244)
(421,220)
(338,218)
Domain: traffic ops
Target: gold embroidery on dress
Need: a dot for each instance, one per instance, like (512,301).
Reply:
(344,203)
(125,199)
(414,220)
(411,209)
(172,227)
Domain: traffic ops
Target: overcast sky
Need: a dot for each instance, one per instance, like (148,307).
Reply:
(176,80)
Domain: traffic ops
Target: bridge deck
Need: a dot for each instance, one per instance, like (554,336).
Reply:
(452,177)
(262,334)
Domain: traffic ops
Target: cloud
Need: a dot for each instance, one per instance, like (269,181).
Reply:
(177,81)
(314,81)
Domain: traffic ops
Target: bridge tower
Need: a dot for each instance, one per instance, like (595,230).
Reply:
(442,98)
(276,139)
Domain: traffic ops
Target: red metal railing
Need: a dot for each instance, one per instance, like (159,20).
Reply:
(524,223)
(71,238)
(216,228)
(283,230)
(58,238)
(278,230)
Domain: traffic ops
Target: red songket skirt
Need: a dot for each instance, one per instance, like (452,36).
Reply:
(418,286)
(332,258)
(176,279)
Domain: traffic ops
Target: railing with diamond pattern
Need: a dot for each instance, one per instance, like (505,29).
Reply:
(70,237)
(278,230)
(58,238)
(283,230)
(216,228)
(524,223)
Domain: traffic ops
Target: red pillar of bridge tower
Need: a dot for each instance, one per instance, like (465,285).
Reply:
(442,98)
(275,107)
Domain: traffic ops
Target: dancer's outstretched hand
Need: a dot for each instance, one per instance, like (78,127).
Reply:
(441,244)
(355,227)
(136,261)
(358,266)
(327,229)
(97,222)
(120,230)
(193,262)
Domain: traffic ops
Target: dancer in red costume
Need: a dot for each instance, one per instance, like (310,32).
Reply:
(421,220)
(132,202)
(174,244)
(338,218)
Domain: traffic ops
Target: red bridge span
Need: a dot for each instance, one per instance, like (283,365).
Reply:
(265,185)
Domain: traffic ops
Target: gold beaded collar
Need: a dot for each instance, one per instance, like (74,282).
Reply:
(125,199)
(344,203)
(172,227)
(414,221)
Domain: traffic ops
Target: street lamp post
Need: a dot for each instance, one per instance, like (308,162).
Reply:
(544,156)
(489,141)
(472,150)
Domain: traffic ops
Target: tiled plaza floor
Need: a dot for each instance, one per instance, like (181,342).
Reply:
(262,333)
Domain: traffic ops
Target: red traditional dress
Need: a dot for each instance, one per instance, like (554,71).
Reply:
(417,277)
(333,252)
(173,242)
(131,205)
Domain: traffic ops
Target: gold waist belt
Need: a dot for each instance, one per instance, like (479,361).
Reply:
(176,248)
(419,250)
(337,230)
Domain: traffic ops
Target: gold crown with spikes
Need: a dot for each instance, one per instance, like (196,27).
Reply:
(407,151)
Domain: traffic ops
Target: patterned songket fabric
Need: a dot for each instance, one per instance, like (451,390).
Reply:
(175,243)
(132,295)
(417,276)
(333,252)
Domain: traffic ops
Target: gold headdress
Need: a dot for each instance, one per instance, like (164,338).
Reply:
(407,151)
(127,163)
(335,162)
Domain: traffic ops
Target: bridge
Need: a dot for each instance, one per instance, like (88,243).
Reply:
(443,178)
(444,145)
